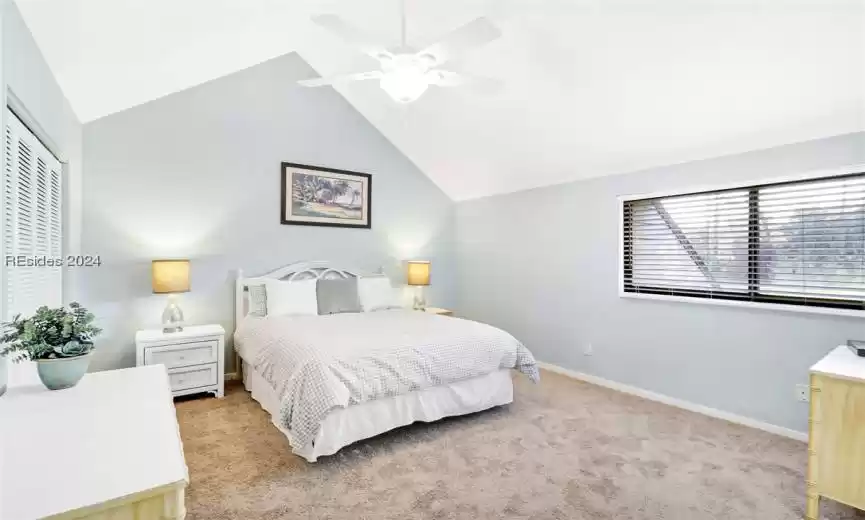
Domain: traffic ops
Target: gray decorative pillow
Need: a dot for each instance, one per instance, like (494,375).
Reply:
(257,301)
(337,295)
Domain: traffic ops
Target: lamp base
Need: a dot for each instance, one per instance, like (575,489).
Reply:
(419,299)
(172,317)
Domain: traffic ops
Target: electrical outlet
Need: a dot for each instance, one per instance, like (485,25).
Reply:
(588,350)
(803,393)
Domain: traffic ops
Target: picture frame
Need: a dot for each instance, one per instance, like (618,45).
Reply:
(320,196)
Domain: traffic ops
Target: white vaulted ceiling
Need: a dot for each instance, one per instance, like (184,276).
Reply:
(591,87)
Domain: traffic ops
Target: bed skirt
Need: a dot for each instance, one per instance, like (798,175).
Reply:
(345,426)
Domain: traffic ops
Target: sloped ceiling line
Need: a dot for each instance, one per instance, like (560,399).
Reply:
(591,88)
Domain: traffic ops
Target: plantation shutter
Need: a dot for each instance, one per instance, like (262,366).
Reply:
(797,243)
(32,222)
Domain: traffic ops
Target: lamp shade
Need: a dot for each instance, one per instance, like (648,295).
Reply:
(170,276)
(418,272)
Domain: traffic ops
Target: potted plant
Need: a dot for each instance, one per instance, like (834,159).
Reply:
(59,340)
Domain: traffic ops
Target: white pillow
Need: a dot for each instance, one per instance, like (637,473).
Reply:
(376,293)
(291,297)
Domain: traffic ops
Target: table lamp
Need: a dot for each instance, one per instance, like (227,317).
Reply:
(418,276)
(170,277)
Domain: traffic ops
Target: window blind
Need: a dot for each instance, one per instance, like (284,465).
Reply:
(800,243)
(32,222)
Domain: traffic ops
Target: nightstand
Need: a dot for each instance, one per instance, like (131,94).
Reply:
(194,357)
(439,311)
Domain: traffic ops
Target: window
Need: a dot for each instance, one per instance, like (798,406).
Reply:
(796,243)
(30,223)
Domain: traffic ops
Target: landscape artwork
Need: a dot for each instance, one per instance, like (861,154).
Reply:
(318,196)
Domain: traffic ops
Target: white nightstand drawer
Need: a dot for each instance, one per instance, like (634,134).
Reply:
(192,377)
(182,355)
(194,357)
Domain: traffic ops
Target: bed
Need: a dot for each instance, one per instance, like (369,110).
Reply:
(329,381)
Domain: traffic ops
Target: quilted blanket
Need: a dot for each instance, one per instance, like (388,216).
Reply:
(318,363)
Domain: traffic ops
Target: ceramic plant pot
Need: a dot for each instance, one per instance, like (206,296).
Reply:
(60,373)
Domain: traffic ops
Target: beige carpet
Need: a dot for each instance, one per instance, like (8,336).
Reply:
(563,449)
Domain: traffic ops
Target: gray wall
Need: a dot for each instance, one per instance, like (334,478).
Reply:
(543,264)
(196,174)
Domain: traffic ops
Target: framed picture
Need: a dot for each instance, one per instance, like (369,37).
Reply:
(318,196)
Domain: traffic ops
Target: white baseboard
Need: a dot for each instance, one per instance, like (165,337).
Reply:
(678,403)
(231,376)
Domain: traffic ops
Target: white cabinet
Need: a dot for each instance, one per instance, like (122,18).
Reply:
(194,357)
(106,449)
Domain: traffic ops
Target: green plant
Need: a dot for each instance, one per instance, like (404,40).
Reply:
(49,334)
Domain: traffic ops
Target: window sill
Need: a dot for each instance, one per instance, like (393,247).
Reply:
(778,307)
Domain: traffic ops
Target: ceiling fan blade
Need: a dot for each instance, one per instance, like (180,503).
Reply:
(342,78)
(446,78)
(352,35)
(478,32)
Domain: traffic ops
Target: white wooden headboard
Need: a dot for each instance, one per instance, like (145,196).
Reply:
(290,273)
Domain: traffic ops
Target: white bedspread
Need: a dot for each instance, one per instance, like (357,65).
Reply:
(318,363)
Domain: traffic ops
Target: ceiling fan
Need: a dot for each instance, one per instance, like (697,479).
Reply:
(406,73)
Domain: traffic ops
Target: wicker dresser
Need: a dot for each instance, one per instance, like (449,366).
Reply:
(836,462)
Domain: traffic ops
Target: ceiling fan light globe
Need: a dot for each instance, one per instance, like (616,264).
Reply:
(404,86)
